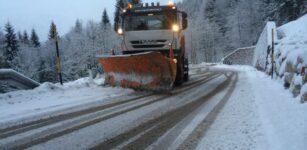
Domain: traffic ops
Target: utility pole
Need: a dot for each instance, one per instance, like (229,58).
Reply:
(58,60)
(53,35)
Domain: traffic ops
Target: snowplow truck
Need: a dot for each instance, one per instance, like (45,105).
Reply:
(153,49)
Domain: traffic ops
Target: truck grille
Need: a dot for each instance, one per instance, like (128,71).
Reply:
(148,43)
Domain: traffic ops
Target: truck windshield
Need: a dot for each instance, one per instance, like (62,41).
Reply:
(148,22)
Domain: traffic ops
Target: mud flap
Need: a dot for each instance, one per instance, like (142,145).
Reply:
(144,71)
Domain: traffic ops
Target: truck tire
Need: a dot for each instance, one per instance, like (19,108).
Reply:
(180,74)
(186,70)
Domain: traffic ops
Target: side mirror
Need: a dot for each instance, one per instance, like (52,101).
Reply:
(184,20)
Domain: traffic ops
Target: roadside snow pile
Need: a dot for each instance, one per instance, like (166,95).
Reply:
(260,114)
(283,120)
(291,54)
(52,97)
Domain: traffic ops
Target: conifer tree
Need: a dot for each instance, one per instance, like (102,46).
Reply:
(11,44)
(19,36)
(105,18)
(53,35)
(25,38)
(34,39)
(1,40)
(45,73)
(1,35)
(3,63)
(78,26)
(53,31)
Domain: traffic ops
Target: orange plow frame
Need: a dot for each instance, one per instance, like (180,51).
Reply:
(145,71)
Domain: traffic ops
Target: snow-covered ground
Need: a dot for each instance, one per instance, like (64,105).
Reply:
(260,113)
(50,97)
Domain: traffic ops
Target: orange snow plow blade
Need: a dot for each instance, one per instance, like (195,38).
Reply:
(145,71)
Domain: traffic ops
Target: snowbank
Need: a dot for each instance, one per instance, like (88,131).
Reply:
(283,120)
(292,45)
(291,54)
(54,97)
(259,115)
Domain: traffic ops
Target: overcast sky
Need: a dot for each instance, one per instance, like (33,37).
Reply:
(38,14)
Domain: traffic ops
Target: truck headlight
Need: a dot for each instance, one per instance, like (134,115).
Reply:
(175,28)
(170,3)
(120,31)
(175,61)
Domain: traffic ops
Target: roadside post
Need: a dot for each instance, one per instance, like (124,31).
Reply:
(58,60)
(273,46)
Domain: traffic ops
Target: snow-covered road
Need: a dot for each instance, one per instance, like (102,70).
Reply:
(219,108)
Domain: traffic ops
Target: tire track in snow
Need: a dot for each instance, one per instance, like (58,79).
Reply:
(37,139)
(169,119)
(192,140)
(13,130)
(44,122)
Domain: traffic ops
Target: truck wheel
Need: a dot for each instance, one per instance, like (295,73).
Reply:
(186,70)
(180,74)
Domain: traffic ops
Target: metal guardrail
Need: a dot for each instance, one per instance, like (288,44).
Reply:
(241,56)
(11,80)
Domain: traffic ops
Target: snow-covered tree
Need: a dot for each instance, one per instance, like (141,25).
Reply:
(105,34)
(3,63)
(47,69)
(25,38)
(75,44)
(53,31)
(28,57)
(284,11)
(2,39)
(34,39)
(105,18)
(78,26)
(19,36)
(83,44)
(11,45)
(217,27)
(91,32)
